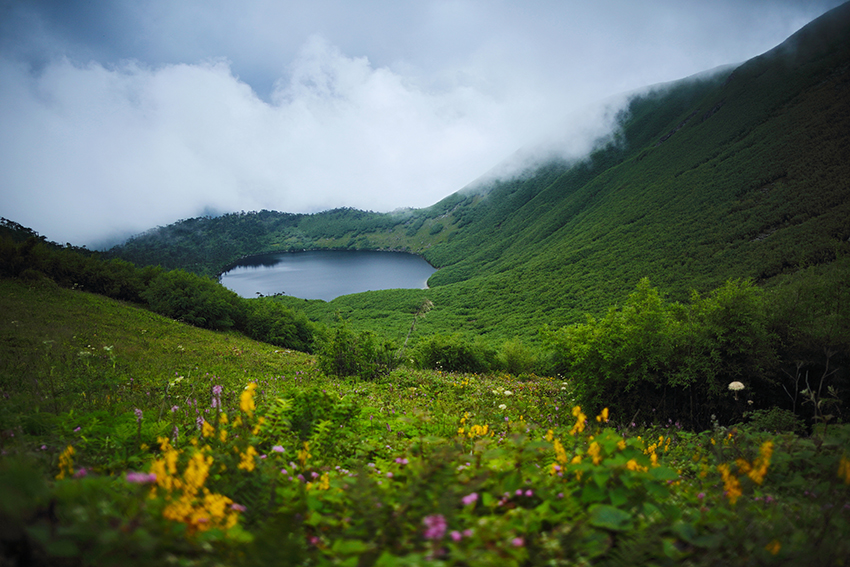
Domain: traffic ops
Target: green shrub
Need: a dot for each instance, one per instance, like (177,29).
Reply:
(668,360)
(775,420)
(194,299)
(342,352)
(453,353)
(516,358)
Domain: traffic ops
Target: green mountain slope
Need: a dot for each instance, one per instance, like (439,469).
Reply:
(741,174)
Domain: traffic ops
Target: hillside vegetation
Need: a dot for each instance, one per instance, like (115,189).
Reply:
(738,175)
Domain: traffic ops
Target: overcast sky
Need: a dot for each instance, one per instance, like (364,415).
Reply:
(117,116)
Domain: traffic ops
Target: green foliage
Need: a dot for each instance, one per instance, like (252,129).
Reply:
(344,352)
(274,323)
(775,420)
(516,358)
(194,299)
(453,353)
(672,360)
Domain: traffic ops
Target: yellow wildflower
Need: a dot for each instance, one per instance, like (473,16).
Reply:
(560,452)
(730,483)
(603,416)
(207,430)
(478,430)
(323,483)
(259,426)
(66,463)
(247,463)
(594,451)
(773,547)
(580,419)
(549,435)
(304,453)
(246,400)
(844,469)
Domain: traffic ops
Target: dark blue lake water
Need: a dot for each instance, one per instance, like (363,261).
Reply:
(326,274)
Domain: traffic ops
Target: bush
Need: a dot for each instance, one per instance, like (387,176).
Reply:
(452,353)
(194,299)
(342,352)
(271,322)
(668,360)
(775,420)
(516,358)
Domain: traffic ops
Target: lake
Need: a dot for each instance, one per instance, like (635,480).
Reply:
(326,274)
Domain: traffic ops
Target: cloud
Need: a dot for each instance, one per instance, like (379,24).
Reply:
(126,147)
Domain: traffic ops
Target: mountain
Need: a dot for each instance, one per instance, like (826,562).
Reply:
(741,174)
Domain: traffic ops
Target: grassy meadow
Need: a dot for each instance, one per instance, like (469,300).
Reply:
(129,438)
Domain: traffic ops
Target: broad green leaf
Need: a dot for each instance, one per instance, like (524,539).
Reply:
(610,517)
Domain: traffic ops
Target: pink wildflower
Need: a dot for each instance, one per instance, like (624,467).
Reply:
(140,477)
(435,526)
(469,499)
(517,542)
(456,535)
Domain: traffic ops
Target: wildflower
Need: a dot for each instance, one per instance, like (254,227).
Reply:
(517,542)
(470,499)
(580,419)
(549,435)
(323,483)
(560,452)
(773,547)
(456,535)
(140,478)
(730,484)
(603,416)
(502,406)
(66,463)
(247,462)
(216,396)
(278,449)
(304,453)
(138,413)
(508,393)
(844,469)
(207,430)
(759,469)
(246,400)
(238,507)
(435,527)
(594,451)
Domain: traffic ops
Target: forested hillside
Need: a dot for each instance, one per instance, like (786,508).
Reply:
(741,174)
